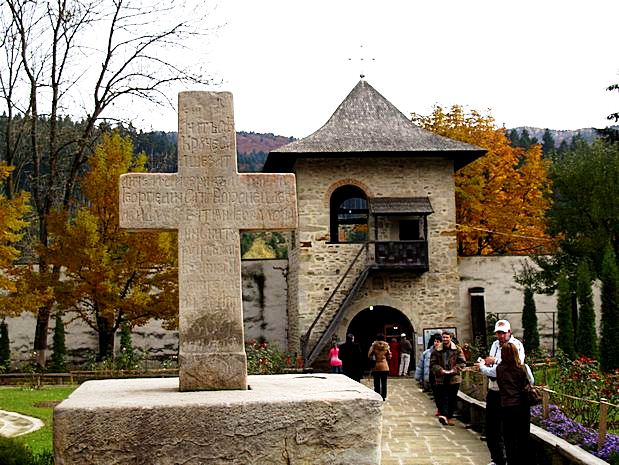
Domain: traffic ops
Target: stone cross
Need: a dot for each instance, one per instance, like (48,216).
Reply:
(208,202)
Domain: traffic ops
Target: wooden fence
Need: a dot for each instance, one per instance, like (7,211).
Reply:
(78,377)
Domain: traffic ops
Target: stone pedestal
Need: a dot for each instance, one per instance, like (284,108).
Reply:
(281,419)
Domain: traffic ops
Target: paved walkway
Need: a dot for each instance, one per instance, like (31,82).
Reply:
(412,434)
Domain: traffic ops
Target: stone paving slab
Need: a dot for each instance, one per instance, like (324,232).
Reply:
(412,434)
(15,424)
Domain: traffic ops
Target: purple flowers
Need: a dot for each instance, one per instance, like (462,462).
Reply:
(561,426)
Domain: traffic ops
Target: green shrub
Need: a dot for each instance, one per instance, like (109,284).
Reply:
(14,452)
(128,358)
(59,351)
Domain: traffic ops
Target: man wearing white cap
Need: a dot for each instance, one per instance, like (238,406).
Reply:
(405,354)
(487,366)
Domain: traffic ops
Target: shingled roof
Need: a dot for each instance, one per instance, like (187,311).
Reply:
(367,124)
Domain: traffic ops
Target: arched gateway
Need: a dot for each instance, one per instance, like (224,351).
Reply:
(380,319)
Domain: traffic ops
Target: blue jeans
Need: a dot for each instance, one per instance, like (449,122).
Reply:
(336,369)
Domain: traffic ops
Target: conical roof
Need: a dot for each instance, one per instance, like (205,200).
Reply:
(366,123)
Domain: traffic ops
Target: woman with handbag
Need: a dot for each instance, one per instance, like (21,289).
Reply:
(380,371)
(513,384)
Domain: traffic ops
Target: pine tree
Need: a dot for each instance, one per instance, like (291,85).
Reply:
(564,317)
(59,351)
(609,356)
(586,337)
(5,347)
(526,141)
(563,147)
(529,322)
(548,142)
(514,138)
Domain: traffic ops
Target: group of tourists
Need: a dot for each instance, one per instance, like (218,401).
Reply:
(439,371)
(507,408)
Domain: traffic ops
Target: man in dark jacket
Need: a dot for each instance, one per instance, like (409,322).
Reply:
(446,362)
(352,359)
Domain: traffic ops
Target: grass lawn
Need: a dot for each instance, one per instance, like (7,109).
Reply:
(37,403)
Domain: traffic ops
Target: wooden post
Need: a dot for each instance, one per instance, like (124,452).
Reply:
(603,421)
(545,403)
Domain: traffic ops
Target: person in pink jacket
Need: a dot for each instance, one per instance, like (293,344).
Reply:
(334,359)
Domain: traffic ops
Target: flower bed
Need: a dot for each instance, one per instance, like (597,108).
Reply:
(563,427)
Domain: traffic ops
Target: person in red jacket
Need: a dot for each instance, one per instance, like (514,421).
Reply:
(394,363)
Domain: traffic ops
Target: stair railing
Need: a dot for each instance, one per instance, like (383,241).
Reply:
(305,339)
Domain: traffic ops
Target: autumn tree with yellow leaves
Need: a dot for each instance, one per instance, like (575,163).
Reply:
(113,277)
(13,212)
(502,197)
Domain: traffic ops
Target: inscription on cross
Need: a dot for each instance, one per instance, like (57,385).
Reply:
(209,203)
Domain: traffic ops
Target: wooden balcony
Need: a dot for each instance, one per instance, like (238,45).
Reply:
(404,255)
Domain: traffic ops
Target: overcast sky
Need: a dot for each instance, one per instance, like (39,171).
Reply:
(536,63)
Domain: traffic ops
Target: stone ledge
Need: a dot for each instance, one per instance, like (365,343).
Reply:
(281,419)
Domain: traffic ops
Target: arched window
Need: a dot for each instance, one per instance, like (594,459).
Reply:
(349,215)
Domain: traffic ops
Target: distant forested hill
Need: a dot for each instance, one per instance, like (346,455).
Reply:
(559,135)
(160,147)
(552,140)
(252,149)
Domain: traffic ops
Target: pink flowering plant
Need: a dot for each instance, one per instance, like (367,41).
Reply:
(266,359)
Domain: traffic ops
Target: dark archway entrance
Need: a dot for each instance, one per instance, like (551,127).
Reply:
(381,319)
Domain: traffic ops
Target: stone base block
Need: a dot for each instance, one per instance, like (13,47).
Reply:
(212,372)
(282,419)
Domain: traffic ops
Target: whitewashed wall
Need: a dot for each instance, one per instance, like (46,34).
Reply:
(264,308)
(505,297)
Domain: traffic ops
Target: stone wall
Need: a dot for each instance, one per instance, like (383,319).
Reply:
(264,312)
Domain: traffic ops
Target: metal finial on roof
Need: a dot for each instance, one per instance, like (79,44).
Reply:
(361,60)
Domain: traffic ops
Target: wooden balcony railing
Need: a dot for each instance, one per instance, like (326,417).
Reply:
(401,254)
